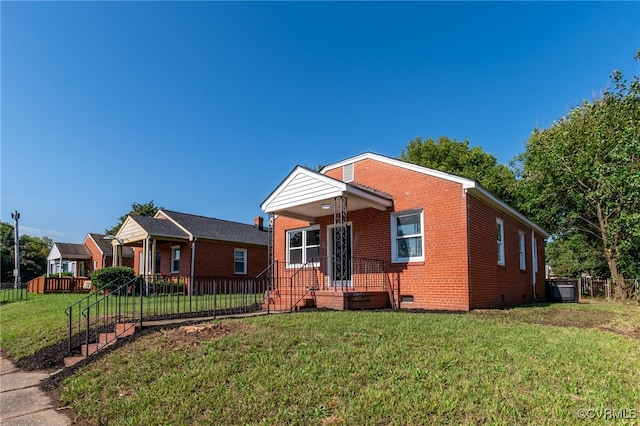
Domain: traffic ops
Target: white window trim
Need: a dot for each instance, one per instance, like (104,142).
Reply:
(522,249)
(304,245)
(394,235)
(244,261)
(173,259)
(500,243)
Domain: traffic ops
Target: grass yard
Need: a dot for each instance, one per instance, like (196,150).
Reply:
(33,324)
(534,365)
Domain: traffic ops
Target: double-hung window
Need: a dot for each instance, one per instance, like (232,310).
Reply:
(240,261)
(407,236)
(175,259)
(523,254)
(500,240)
(303,245)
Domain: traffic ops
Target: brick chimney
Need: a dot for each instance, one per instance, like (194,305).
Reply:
(259,222)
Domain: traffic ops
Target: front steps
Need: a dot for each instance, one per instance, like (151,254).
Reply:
(282,301)
(104,339)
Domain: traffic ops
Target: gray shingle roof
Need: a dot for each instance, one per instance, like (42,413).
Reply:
(160,227)
(106,247)
(73,251)
(217,229)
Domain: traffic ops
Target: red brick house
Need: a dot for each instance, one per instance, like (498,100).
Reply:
(102,252)
(81,259)
(373,231)
(174,244)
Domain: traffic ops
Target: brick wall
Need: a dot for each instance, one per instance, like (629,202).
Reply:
(493,285)
(213,259)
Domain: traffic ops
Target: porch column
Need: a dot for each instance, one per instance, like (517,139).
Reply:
(154,248)
(114,254)
(341,262)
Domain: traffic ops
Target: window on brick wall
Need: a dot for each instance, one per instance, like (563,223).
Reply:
(175,259)
(500,240)
(240,261)
(303,245)
(407,236)
(523,254)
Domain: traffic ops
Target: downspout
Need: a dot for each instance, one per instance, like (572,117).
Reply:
(534,263)
(192,270)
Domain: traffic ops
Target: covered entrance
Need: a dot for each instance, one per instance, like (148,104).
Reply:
(338,278)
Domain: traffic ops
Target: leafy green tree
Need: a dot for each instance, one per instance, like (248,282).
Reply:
(149,209)
(456,157)
(574,254)
(33,254)
(6,252)
(583,175)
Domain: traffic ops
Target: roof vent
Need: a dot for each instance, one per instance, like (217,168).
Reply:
(347,172)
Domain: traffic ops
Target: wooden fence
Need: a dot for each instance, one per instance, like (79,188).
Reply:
(59,285)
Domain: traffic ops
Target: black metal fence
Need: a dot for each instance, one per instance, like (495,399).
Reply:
(12,292)
(571,289)
(99,319)
(292,285)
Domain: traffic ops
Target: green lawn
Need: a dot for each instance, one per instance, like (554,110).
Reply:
(40,321)
(534,365)
(30,325)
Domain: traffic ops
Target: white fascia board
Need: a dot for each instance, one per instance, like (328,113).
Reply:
(467,184)
(338,188)
(399,163)
(95,243)
(498,204)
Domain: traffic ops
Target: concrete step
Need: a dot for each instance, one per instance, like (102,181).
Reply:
(126,329)
(92,348)
(104,338)
(72,360)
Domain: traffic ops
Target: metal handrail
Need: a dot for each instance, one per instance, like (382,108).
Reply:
(113,314)
(78,307)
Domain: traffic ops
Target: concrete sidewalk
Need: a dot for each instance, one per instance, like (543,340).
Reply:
(21,400)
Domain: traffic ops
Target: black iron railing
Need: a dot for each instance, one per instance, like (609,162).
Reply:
(290,284)
(101,318)
(12,292)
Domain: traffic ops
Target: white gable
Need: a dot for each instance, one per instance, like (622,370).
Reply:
(131,231)
(304,192)
(54,253)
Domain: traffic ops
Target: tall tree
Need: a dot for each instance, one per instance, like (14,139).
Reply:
(456,157)
(148,209)
(574,254)
(583,174)
(33,254)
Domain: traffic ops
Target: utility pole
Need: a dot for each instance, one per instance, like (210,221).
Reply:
(16,271)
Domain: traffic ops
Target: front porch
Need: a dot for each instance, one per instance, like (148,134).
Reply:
(364,284)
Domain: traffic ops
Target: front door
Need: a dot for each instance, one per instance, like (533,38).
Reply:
(339,249)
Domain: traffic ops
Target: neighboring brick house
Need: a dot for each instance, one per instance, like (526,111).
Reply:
(174,244)
(374,231)
(102,252)
(80,260)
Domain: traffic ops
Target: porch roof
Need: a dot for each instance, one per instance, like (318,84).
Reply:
(175,226)
(304,192)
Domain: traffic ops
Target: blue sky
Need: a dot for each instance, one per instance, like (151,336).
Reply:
(205,107)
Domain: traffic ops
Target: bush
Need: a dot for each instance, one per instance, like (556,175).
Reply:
(112,277)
